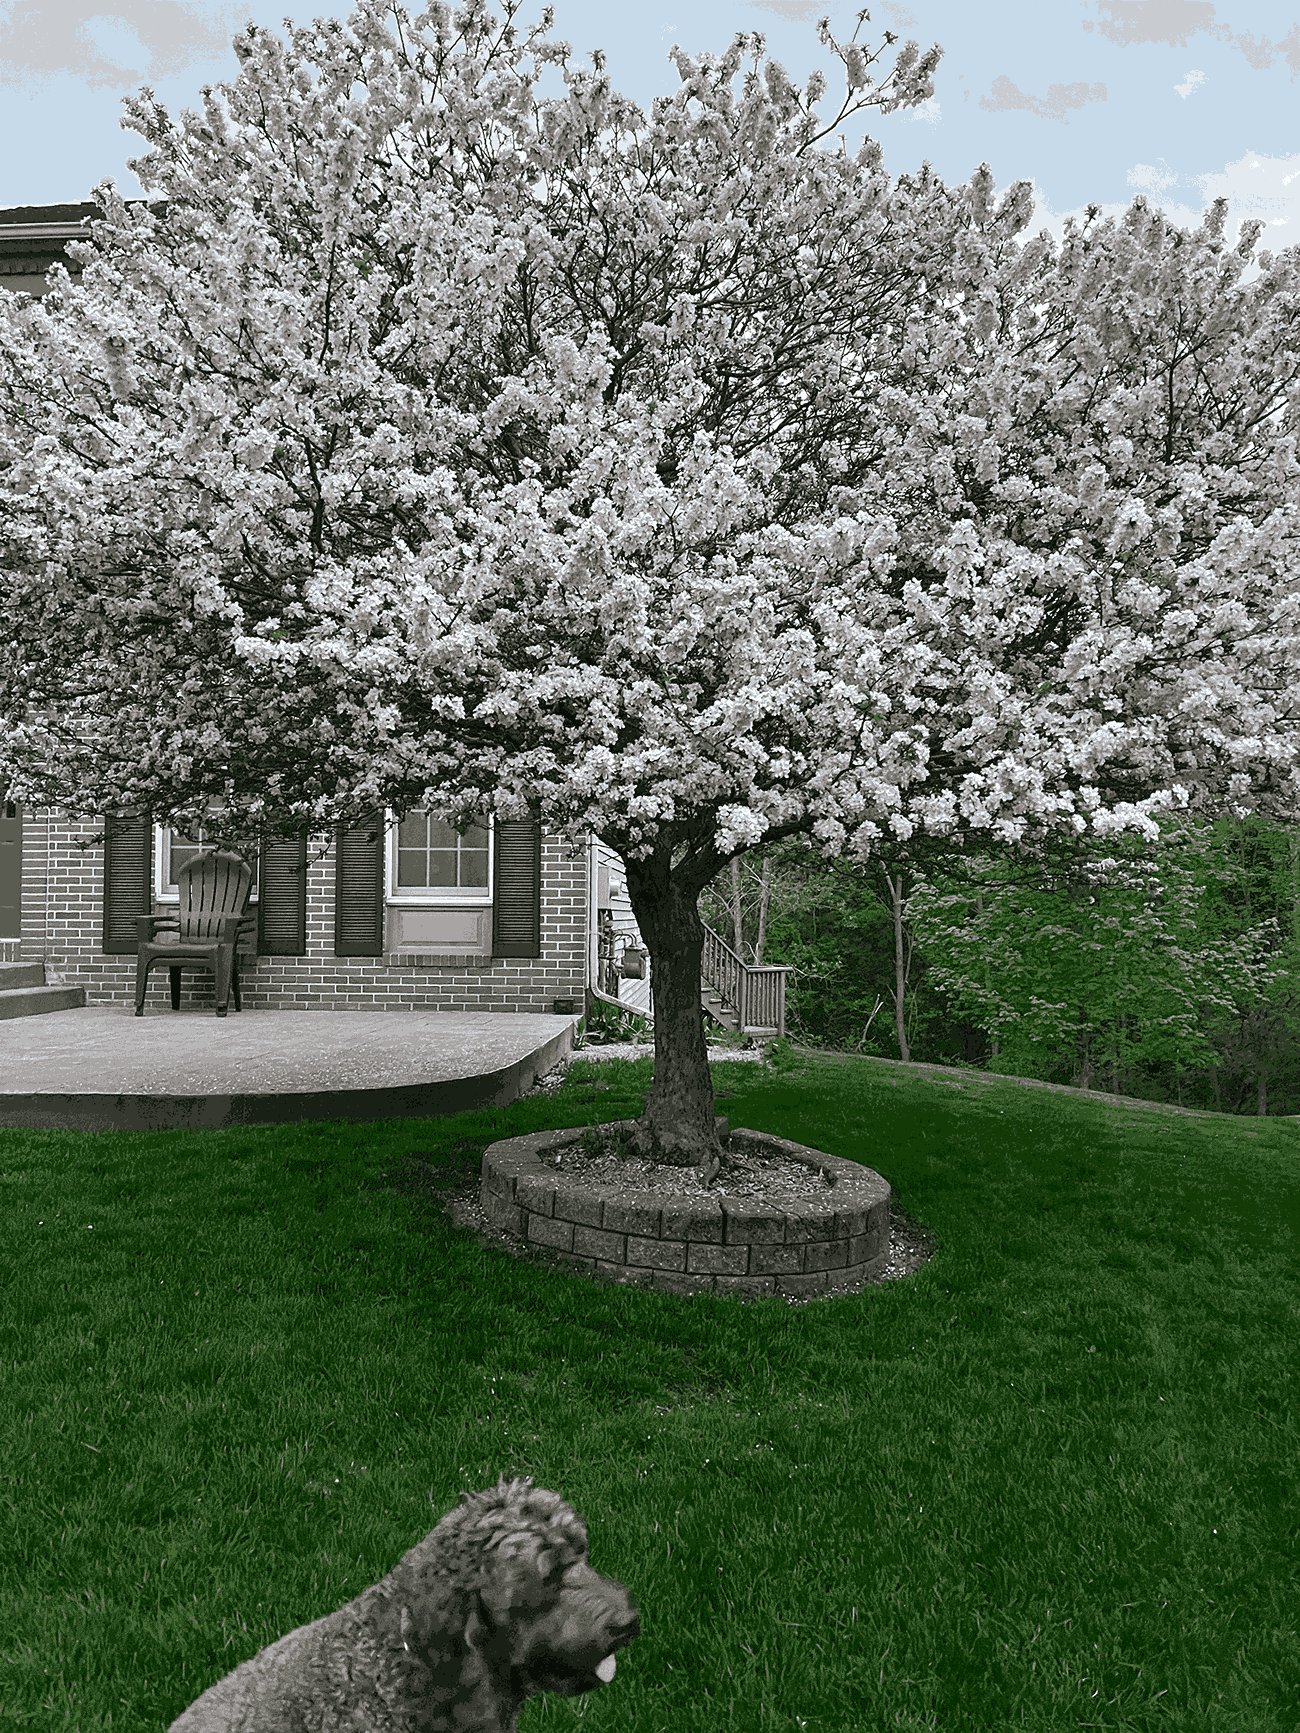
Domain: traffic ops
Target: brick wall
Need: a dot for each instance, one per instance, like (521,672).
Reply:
(63,890)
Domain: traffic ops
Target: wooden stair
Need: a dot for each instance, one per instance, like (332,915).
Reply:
(746,997)
(717,1007)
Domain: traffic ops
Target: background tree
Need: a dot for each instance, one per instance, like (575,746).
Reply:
(674,478)
(1259,881)
(1114,956)
(1110,938)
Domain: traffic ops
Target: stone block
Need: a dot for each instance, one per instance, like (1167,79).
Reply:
(769,1260)
(852,1221)
(815,1223)
(626,1217)
(826,1255)
(693,1221)
(657,1254)
(623,1276)
(727,1260)
(745,1287)
(496,1183)
(797,1285)
(672,1283)
(536,1194)
(586,1265)
(548,1231)
(508,1217)
(577,1203)
(863,1248)
(748,1223)
(593,1242)
(878,1220)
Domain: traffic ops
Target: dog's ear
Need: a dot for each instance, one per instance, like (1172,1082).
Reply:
(485,1635)
(478,1628)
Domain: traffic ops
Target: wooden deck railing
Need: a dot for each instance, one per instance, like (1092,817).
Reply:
(750,996)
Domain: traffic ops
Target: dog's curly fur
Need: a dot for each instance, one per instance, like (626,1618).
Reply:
(497,1603)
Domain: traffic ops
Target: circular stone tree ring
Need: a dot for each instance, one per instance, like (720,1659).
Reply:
(745,1246)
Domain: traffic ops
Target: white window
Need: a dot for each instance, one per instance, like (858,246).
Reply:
(431,862)
(172,850)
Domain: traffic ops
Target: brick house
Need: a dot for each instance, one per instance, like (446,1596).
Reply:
(390,916)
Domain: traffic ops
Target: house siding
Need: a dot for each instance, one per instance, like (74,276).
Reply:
(63,892)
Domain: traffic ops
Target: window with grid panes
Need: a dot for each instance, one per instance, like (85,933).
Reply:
(435,862)
(174,850)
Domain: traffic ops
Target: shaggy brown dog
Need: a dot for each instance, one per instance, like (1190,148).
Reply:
(496,1604)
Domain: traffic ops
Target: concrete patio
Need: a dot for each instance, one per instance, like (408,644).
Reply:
(101,1068)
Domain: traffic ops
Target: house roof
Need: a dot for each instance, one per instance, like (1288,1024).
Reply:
(25,216)
(32,239)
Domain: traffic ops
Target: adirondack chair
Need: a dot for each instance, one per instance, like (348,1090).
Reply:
(206,929)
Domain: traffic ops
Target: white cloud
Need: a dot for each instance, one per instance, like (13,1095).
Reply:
(1255,186)
(1258,186)
(1175,22)
(929,111)
(1151,180)
(1003,95)
(1193,81)
(108,49)
(116,41)
(798,11)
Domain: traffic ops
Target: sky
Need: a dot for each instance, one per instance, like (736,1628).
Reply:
(1094,101)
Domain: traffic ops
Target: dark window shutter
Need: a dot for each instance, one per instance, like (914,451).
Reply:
(282,896)
(128,881)
(11,869)
(517,889)
(359,891)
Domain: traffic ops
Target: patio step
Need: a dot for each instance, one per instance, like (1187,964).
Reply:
(22,975)
(24,993)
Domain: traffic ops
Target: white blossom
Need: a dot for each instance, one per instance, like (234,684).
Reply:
(443,444)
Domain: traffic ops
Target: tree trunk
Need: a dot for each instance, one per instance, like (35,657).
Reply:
(678,1126)
(737,917)
(866,1026)
(984,974)
(764,898)
(900,972)
(1085,1057)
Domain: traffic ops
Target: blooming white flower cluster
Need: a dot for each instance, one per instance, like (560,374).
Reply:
(685,479)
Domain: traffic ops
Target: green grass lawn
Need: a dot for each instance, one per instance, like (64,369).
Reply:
(1049,1481)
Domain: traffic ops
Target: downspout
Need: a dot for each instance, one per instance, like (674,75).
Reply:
(593,931)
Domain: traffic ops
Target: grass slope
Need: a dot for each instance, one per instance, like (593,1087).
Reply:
(1050,1481)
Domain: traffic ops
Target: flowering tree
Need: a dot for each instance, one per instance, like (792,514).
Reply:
(678,478)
